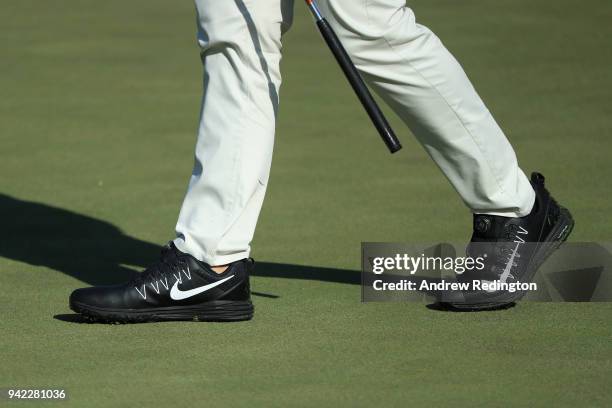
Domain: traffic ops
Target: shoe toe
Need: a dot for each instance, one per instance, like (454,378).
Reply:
(96,296)
(82,296)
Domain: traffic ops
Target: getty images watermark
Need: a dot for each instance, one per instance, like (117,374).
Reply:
(429,272)
(404,263)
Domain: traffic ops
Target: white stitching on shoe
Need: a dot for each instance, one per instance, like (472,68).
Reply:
(144,288)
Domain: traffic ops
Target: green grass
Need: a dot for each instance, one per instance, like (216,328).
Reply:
(98,117)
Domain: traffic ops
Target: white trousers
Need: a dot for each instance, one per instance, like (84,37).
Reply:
(404,62)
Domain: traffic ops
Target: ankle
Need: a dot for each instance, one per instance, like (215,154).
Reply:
(219,268)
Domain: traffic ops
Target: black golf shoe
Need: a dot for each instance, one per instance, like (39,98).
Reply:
(512,250)
(177,287)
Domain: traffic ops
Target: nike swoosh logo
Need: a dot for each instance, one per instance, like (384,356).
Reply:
(506,272)
(177,294)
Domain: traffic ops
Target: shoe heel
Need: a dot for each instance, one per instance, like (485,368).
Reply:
(225,311)
(566,225)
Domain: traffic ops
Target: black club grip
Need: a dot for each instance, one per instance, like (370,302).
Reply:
(360,88)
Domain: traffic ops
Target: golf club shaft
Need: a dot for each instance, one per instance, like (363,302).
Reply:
(351,73)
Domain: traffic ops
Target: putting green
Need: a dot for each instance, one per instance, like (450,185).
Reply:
(98,117)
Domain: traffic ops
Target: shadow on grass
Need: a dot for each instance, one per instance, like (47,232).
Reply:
(72,318)
(443,307)
(98,253)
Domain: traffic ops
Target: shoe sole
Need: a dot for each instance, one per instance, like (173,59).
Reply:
(216,311)
(551,243)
